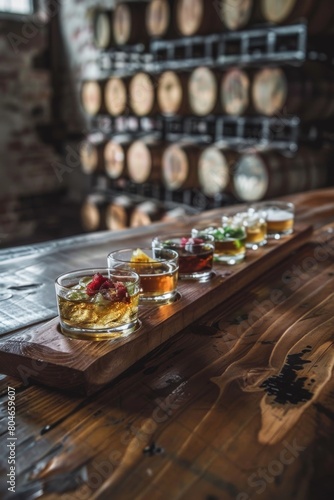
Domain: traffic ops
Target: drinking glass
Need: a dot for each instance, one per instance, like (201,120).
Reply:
(98,304)
(280,217)
(195,254)
(256,228)
(229,238)
(157,269)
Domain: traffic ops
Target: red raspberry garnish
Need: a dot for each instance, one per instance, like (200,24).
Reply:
(118,293)
(107,284)
(94,286)
(115,292)
(122,292)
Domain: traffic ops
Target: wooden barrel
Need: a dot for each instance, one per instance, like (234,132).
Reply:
(159,22)
(93,213)
(116,95)
(114,159)
(102,28)
(197,17)
(146,213)
(238,14)
(307,91)
(144,161)
(203,91)
(235,92)
(118,213)
(264,175)
(179,166)
(318,14)
(91,157)
(129,23)
(214,170)
(142,94)
(92,97)
(172,93)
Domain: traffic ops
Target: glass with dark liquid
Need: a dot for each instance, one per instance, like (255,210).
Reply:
(195,254)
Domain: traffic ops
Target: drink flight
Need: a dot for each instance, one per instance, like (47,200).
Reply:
(102,304)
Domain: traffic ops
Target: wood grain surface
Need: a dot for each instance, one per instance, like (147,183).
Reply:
(84,366)
(238,405)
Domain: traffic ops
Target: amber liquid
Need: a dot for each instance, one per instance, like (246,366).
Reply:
(231,247)
(156,280)
(256,234)
(104,315)
(279,222)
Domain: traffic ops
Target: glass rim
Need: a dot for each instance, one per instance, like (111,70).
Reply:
(272,203)
(94,270)
(175,255)
(250,212)
(175,236)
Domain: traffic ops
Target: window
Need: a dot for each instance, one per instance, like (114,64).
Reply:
(20,7)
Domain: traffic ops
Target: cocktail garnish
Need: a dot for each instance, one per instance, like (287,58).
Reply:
(139,256)
(117,294)
(222,233)
(191,241)
(114,292)
(94,286)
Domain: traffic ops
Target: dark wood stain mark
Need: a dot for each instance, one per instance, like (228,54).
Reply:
(286,387)
(153,450)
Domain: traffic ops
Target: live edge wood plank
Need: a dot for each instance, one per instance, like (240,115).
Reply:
(43,355)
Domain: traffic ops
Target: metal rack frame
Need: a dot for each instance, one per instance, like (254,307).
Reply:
(122,63)
(257,45)
(127,124)
(253,47)
(265,44)
(281,133)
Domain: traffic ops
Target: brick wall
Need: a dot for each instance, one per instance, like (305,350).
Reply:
(30,163)
(25,107)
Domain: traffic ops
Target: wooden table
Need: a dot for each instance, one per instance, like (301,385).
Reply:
(238,405)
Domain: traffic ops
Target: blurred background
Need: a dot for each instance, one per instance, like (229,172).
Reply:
(117,114)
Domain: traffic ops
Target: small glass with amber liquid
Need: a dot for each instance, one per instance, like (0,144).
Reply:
(279,216)
(157,269)
(195,254)
(98,304)
(256,228)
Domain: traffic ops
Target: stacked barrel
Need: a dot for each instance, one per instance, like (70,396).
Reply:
(214,169)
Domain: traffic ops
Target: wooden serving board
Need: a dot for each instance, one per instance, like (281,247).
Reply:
(41,354)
